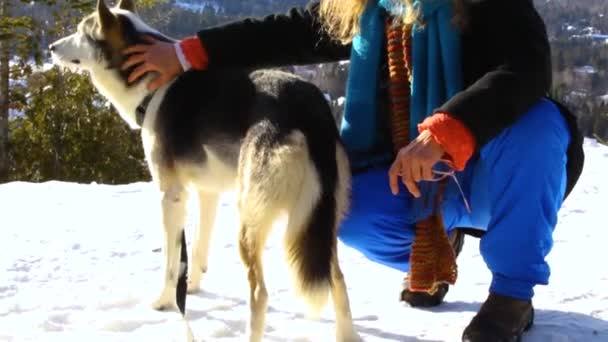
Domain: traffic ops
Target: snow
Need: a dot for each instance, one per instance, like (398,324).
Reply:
(14,113)
(586,69)
(198,6)
(81,262)
(595,37)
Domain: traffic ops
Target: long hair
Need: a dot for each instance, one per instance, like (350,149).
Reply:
(341,17)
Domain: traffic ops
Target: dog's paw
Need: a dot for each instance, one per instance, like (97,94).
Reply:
(194,282)
(349,337)
(255,337)
(164,305)
(193,287)
(197,272)
(165,302)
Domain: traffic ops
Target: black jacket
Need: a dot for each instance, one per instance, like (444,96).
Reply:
(506,62)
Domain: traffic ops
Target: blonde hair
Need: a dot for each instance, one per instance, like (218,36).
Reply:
(340,18)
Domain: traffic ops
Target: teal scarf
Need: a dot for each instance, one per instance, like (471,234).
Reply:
(437,69)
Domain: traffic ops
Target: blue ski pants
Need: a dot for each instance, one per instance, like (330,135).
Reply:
(515,186)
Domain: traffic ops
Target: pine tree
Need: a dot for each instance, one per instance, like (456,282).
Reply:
(68,131)
(4,89)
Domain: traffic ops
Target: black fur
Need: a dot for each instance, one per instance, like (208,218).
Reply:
(132,37)
(204,107)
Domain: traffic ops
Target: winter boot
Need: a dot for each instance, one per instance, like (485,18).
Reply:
(500,319)
(421,299)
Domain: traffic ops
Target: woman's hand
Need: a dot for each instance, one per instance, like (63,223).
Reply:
(155,56)
(414,163)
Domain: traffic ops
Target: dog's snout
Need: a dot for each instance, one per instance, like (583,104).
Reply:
(52,47)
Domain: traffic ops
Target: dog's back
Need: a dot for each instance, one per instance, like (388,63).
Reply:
(217,108)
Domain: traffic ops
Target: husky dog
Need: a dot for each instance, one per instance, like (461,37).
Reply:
(267,135)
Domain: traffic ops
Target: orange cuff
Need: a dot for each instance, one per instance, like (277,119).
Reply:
(453,136)
(194,52)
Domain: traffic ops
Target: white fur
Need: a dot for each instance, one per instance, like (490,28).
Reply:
(74,47)
(124,99)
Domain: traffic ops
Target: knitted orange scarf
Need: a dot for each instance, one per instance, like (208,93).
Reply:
(432,259)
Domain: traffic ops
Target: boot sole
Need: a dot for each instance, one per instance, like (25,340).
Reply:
(424,300)
(530,323)
(527,327)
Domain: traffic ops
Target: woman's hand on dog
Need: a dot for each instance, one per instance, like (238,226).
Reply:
(414,163)
(154,56)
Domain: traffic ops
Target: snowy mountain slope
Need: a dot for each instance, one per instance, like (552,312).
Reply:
(255,7)
(81,262)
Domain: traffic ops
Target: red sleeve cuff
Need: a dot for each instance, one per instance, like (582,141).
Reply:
(195,52)
(453,136)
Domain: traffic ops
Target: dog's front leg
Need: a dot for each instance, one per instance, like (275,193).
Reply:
(173,202)
(200,249)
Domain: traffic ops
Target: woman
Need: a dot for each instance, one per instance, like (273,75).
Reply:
(480,72)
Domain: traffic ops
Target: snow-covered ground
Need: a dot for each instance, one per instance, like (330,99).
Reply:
(81,263)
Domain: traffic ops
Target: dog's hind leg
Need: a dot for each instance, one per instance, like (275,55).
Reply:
(345,331)
(200,249)
(173,202)
(252,238)
(260,193)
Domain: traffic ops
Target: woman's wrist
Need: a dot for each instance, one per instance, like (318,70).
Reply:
(192,54)
(181,57)
(453,136)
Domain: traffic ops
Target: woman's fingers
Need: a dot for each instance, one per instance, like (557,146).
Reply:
(149,39)
(416,171)
(133,60)
(427,172)
(158,82)
(139,48)
(393,176)
(139,72)
(407,172)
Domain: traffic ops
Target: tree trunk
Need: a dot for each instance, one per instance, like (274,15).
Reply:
(4,99)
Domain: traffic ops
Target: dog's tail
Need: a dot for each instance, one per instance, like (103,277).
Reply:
(311,236)
(182,281)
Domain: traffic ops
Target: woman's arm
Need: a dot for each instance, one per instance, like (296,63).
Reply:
(277,40)
(514,32)
(293,38)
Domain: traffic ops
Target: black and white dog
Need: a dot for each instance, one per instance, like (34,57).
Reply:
(265,134)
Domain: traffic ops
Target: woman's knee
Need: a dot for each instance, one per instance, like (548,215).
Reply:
(540,136)
(357,231)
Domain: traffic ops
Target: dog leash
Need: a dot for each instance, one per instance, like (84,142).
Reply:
(451,173)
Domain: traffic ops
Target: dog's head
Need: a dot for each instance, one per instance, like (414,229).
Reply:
(101,37)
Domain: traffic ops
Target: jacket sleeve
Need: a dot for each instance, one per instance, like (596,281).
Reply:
(513,30)
(294,38)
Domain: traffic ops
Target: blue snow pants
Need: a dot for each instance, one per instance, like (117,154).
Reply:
(515,187)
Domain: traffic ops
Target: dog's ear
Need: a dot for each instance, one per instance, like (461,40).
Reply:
(110,26)
(106,18)
(127,5)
